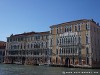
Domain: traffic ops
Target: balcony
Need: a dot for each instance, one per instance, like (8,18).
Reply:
(69,54)
(70,44)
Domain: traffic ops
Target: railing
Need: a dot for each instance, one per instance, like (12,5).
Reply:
(29,55)
(70,44)
(69,54)
(67,44)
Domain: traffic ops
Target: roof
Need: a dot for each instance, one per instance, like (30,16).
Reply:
(2,42)
(71,22)
(30,33)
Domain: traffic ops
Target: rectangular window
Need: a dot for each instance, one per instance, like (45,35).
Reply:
(70,28)
(87,26)
(79,39)
(86,39)
(57,41)
(46,44)
(60,51)
(60,40)
(79,27)
(65,29)
(46,37)
(51,42)
(60,29)
(56,51)
(57,31)
(64,40)
(41,37)
(66,50)
(52,30)
(87,50)
(75,28)
(46,52)
(71,50)
(8,40)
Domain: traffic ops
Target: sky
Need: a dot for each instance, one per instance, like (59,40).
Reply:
(19,16)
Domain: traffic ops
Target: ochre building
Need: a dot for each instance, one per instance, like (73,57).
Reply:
(75,43)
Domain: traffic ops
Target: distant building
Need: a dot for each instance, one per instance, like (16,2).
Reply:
(75,43)
(2,51)
(27,48)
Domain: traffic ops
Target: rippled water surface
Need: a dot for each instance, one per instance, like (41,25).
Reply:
(13,69)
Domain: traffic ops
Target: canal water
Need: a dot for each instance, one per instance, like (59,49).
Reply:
(13,69)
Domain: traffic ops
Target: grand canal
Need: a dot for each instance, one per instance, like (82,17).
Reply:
(13,69)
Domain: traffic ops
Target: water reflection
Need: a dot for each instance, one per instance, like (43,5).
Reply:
(12,69)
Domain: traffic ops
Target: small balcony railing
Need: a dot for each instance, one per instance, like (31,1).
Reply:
(69,54)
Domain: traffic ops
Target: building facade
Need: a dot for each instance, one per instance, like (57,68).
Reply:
(75,43)
(27,48)
(70,43)
(2,51)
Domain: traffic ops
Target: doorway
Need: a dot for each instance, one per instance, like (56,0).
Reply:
(67,61)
